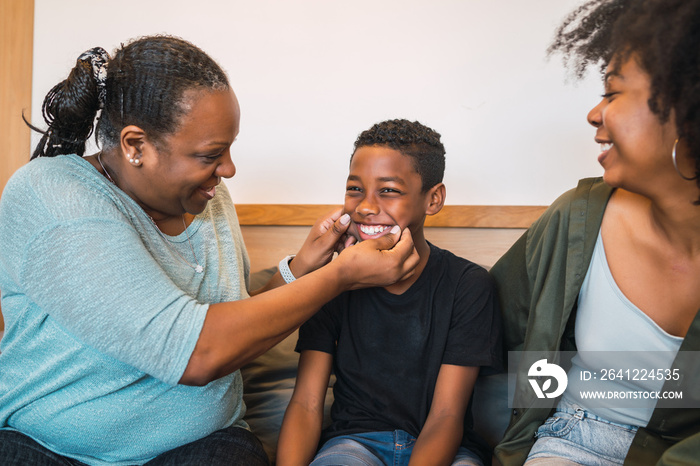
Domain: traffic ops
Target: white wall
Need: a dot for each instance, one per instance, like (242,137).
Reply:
(312,74)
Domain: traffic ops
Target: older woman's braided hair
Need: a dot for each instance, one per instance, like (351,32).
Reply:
(144,85)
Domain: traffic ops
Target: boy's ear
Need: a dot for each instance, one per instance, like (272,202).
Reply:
(436,199)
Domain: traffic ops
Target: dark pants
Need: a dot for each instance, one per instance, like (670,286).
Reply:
(231,446)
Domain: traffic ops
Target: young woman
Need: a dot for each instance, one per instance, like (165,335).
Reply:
(123,274)
(614,264)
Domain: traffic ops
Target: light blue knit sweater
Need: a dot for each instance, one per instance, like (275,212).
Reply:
(101,316)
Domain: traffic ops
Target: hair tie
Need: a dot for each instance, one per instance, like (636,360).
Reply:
(98,58)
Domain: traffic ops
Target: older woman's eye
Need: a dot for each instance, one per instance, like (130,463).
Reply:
(210,158)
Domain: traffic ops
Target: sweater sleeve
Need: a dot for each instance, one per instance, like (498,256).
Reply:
(99,282)
(73,260)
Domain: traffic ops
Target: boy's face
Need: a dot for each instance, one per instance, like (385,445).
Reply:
(383,189)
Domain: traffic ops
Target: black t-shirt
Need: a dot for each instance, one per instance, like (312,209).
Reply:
(387,349)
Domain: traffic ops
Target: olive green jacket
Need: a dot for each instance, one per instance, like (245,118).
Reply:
(538,281)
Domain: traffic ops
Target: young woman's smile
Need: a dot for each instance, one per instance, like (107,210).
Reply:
(634,142)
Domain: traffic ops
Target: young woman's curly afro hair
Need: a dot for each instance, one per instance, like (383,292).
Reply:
(662,35)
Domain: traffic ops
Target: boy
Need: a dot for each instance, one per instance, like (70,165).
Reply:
(405,356)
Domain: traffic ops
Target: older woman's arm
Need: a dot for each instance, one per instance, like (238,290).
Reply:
(235,333)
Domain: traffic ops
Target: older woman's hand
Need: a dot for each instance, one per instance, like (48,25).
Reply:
(379,262)
(327,236)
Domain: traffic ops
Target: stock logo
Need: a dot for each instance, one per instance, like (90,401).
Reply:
(543,370)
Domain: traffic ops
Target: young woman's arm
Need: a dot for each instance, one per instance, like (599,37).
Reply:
(442,433)
(301,428)
(235,333)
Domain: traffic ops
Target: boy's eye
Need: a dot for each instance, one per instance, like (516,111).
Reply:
(353,188)
(389,191)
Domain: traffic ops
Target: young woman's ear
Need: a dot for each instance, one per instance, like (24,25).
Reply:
(132,140)
(436,199)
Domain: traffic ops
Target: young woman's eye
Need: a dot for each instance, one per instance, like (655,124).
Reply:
(609,95)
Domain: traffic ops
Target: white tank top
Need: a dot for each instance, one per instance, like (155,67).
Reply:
(608,322)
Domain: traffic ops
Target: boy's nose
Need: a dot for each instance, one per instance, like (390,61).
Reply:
(367,207)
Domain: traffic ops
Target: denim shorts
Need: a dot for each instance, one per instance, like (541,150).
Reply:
(581,437)
(378,449)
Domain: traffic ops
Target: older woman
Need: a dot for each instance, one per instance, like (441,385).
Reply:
(123,274)
(614,264)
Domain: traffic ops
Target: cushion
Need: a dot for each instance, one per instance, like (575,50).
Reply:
(490,409)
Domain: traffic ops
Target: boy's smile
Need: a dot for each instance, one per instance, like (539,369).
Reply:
(372,231)
(383,189)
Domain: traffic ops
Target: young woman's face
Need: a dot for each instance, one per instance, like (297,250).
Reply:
(383,189)
(181,175)
(636,145)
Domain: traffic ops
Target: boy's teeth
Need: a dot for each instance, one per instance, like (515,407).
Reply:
(372,229)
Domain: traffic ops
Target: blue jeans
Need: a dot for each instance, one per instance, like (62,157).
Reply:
(578,436)
(232,445)
(378,449)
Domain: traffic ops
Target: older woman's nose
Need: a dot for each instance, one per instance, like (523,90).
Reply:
(226,168)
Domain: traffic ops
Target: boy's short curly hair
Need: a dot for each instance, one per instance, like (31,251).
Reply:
(414,140)
(662,35)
